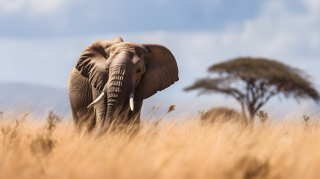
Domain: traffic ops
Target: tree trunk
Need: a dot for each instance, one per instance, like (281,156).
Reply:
(251,120)
(244,114)
(252,112)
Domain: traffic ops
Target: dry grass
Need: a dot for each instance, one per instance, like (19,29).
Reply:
(160,149)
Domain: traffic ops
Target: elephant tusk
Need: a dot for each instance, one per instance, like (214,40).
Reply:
(131,101)
(97,101)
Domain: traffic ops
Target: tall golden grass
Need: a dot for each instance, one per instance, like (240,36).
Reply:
(170,148)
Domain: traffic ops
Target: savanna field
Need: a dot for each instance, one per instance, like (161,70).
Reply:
(48,147)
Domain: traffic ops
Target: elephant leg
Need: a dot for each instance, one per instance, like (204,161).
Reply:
(80,95)
(100,109)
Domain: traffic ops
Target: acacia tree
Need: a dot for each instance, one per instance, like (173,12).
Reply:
(253,81)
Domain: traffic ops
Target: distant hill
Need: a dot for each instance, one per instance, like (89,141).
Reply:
(33,98)
(39,99)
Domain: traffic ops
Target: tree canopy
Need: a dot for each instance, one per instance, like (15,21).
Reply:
(253,81)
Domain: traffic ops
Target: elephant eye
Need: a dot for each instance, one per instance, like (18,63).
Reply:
(139,70)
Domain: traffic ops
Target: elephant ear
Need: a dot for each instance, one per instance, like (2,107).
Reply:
(92,62)
(161,71)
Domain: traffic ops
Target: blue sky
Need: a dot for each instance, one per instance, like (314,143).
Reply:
(41,41)
(36,19)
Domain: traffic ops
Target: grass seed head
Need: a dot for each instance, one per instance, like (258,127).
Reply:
(306,118)
(171,108)
(262,116)
(201,113)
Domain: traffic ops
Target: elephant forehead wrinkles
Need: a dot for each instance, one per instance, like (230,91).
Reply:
(118,77)
(128,46)
(124,49)
(118,69)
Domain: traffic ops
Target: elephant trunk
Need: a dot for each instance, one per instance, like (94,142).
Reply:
(118,89)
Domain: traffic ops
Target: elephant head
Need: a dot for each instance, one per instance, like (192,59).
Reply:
(126,72)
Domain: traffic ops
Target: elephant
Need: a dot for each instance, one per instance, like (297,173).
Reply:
(112,78)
